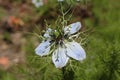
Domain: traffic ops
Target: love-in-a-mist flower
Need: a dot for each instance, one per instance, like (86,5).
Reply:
(38,3)
(60,0)
(63,0)
(63,45)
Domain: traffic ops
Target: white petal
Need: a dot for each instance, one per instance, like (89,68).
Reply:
(47,33)
(59,57)
(33,1)
(60,0)
(75,51)
(38,3)
(43,48)
(72,28)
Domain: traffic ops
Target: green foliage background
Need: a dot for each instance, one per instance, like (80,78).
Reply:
(102,48)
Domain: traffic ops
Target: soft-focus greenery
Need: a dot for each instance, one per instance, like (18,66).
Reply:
(102,48)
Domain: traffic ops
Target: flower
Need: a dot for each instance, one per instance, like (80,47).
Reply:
(60,0)
(38,3)
(63,0)
(64,47)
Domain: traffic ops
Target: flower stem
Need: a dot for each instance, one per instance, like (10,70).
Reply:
(68,74)
(63,72)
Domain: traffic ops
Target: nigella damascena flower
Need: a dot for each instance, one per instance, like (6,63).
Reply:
(38,3)
(60,0)
(64,47)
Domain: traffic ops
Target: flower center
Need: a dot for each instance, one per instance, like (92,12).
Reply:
(57,37)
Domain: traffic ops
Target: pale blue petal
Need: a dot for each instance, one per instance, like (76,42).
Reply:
(47,33)
(59,57)
(75,51)
(37,3)
(43,48)
(60,0)
(72,28)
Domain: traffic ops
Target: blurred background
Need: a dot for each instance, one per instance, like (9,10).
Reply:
(20,18)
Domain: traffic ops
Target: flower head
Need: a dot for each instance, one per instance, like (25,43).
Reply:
(64,47)
(38,3)
(60,0)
